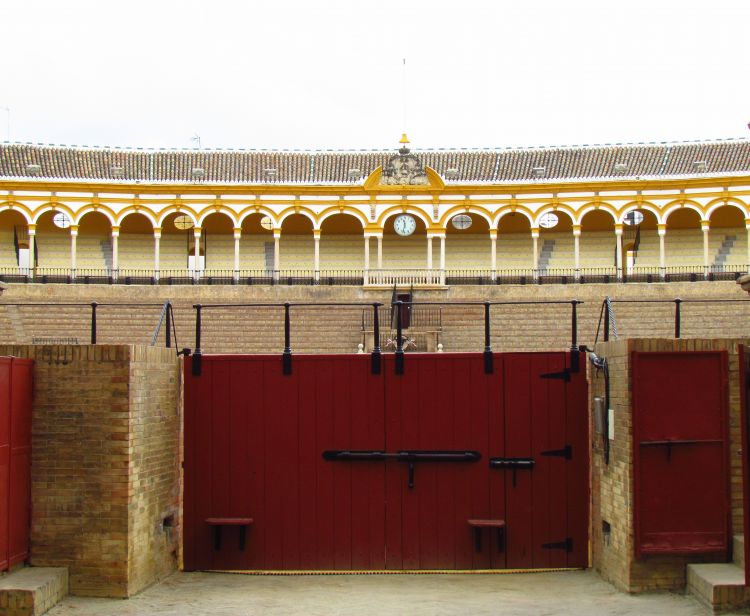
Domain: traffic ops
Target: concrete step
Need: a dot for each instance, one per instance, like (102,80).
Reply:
(719,586)
(738,550)
(32,591)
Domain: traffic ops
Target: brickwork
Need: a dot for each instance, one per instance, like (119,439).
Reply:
(612,485)
(104,463)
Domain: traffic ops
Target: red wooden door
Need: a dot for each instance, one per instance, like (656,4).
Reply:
(19,510)
(745,429)
(5,404)
(253,443)
(546,505)
(680,452)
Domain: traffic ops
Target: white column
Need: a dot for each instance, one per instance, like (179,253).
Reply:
(157,238)
(380,251)
(747,226)
(237,236)
(73,238)
(577,250)
(366,275)
(618,250)
(662,230)
(705,224)
(276,256)
(316,254)
(115,251)
(429,251)
(442,259)
(493,254)
(197,252)
(535,250)
(32,247)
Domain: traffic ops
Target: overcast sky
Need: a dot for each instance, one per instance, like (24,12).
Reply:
(323,74)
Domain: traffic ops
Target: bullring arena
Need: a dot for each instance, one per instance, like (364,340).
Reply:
(374,361)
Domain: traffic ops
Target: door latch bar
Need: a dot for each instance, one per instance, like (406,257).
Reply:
(513,464)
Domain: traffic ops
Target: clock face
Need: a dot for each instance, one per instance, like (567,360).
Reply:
(404,224)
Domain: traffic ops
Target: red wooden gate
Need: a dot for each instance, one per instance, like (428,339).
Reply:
(443,467)
(680,450)
(15,459)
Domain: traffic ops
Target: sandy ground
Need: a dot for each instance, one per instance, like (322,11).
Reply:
(578,592)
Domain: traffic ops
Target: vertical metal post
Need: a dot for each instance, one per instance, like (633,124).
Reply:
(93,322)
(575,363)
(168,326)
(376,353)
(606,320)
(399,340)
(488,366)
(286,356)
(197,354)
(677,317)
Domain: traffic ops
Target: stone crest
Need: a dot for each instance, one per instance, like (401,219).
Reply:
(404,169)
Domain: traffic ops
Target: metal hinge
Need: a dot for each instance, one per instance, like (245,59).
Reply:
(566,544)
(564,375)
(566,452)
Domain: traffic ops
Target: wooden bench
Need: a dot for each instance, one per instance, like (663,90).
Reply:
(217,524)
(478,525)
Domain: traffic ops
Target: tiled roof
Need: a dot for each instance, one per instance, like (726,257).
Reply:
(512,165)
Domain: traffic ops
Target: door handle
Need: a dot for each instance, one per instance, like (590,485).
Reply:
(513,464)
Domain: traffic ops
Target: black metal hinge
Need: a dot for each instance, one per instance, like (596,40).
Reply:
(566,544)
(566,452)
(564,375)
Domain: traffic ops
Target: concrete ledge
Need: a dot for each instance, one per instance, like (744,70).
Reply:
(32,591)
(719,586)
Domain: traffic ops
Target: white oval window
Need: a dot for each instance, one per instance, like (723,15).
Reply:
(462,221)
(633,218)
(61,220)
(266,222)
(183,221)
(548,220)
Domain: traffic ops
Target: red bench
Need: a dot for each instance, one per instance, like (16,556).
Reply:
(216,525)
(478,525)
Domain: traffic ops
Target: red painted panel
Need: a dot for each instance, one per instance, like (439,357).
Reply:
(680,447)
(5,406)
(744,357)
(19,510)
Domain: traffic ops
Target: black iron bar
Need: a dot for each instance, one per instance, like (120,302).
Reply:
(677,303)
(376,352)
(198,354)
(168,326)
(93,322)
(488,364)
(574,324)
(286,356)
(399,340)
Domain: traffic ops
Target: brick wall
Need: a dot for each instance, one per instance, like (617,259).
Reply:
(612,485)
(105,431)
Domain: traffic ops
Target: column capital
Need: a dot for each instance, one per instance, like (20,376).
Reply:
(493,234)
(619,227)
(115,230)
(316,234)
(32,229)
(436,235)
(705,225)
(377,234)
(277,233)
(157,232)
(197,231)
(237,232)
(74,230)
(661,229)
(534,231)
(576,230)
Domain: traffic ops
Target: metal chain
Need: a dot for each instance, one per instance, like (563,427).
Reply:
(612,321)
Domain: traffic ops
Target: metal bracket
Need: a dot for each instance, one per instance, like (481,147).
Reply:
(566,544)
(566,452)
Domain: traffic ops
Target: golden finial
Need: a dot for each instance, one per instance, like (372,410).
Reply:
(404,139)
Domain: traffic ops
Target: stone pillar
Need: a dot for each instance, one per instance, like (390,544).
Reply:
(115,251)
(380,251)
(535,250)
(237,236)
(73,238)
(157,238)
(442,259)
(662,230)
(316,254)
(705,224)
(429,252)
(366,273)
(493,254)
(276,255)
(32,247)
(618,250)
(577,250)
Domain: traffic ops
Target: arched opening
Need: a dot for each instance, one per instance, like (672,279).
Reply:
(728,239)
(514,244)
(640,240)
(556,243)
(341,244)
(53,240)
(135,244)
(296,246)
(94,243)
(14,241)
(177,244)
(407,249)
(598,243)
(683,243)
(217,242)
(467,243)
(256,244)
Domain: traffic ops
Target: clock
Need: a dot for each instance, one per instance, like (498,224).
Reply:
(404,224)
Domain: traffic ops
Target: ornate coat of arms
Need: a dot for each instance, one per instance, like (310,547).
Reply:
(404,169)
